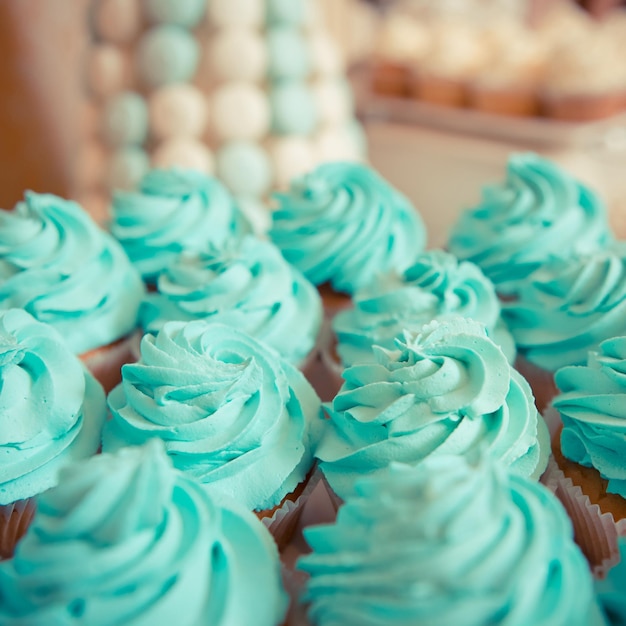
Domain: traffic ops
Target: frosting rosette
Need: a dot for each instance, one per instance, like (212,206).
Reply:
(567,307)
(436,286)
(458,544)
(538,211)
(173,211)
(343,224)
(59,266)
(592,404)
(246,284)
(125,539)
(231,412)
(446,389)
(51,409)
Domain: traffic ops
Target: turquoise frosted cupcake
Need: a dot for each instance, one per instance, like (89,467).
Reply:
(174,211)
(537,211)
(342,224)
(51,412)
(446,389)
(231,412)
(59,266)
(448,543)
(125,539)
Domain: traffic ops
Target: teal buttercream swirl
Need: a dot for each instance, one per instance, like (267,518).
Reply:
(125,539)
(344,224)
(447,543)
(231,412)
(567,307)
(59,266)
(247,285)
(538,211)
(592,404)
(173,211)
(436,286)
(51,408)
(446,389)
(612,590)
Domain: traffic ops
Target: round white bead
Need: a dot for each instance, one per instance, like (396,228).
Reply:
(240,111)
(238,54)
(117,21)
(183,152)
(179,109)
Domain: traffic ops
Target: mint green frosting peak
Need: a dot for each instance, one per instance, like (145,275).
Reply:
(125,539)
(59,266)
(343,224)
(448,543)
(537,211)
(445,389)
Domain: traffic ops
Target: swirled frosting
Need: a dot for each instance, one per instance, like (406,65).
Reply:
(592,404)
(447,543)
(51,409)
(59,266)
(567,307)
(611,589)
(125,539)
(247,285)
(173,211)
(538,211)
(446,389)
(343,224)
(231,412)
(436,286)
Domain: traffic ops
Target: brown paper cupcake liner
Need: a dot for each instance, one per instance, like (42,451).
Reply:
(15,519)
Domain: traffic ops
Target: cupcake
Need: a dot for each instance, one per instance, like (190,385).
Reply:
(612,590)
(591,448)
(447,542)
(173,211)
(538,211)
(566,308)
(341,225)
(51,412)
(445,389)
(231,411)
(59,266)
(126,539)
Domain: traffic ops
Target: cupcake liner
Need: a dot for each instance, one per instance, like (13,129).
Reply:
(444,91)
(390,78)
(552,418)
(105,363)
(335,500)
(595,532)
(15,519)
(541,382)
(508,100)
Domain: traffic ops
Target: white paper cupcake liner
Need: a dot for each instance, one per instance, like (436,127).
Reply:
(335,500)
(15,519)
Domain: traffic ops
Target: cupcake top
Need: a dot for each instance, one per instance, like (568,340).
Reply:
(567,307)
(611,590)
(246,284)
(592,404)
(458,544)
(125,539)
(446,389)
(436,286)
(538,211)
(173,211)
(231,412)
(51,409)
(344,224)
(59,266)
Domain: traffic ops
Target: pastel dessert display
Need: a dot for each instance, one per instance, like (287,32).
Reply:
(231,412)
(58,265)
(126,539)
(241,89)
(447,389)
(460,543)
(538,211)
(51,412)
(342,225)
(173,211)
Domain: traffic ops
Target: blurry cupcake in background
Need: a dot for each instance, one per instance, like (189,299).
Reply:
(51,412)
(231,412)
(447,389)
(458,542)
(341,225)
(173,211)
(126,539)
(60,267)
